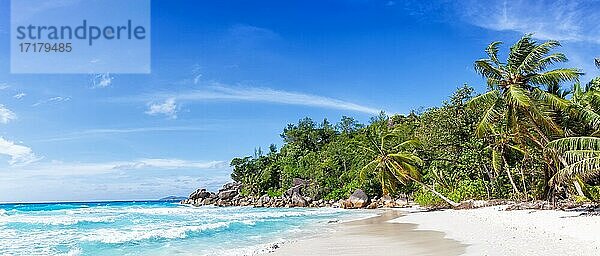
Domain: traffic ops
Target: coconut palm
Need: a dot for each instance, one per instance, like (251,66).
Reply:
(516,104)
(585,104)
(515,97)
(395,165)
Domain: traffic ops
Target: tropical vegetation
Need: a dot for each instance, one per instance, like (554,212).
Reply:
(525,138)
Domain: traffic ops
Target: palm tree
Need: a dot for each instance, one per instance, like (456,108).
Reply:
(399,167)
(515,97)
(515,105)
(585,104)
(577,154)
(502,147)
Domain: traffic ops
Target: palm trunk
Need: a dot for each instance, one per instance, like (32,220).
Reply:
(578,188)
(447,200)
(523,181)
(512,182)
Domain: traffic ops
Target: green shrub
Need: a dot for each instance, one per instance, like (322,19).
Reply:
(245,192)
(469,189)
(592,192)
(427,199)
(465,190)
(275,192)
(335,194)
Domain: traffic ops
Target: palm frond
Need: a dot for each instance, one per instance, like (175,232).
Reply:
(485,100)
(573,156)
(587,115)
(575,143)
(485,68)
(556,76)
(408,143)
(555,102)
(487,122)
(545,62)
(531,62)
(519,51)
(492,51)
(543,120)
(407,157)
(586,169)
(518,97)
(370,167)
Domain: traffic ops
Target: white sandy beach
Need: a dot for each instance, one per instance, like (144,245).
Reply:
(492,231)
(484,231)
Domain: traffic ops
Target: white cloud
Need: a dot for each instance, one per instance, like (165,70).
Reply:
(19,154)
(221,92)
(196,73)
(20,95)
(4,86)
(197,78)
(168,108)
(58,168)
(112,131)
(52,100)
(559,20)
(102,80)
(6,115)
(159,163)
(251,33)
(255,94)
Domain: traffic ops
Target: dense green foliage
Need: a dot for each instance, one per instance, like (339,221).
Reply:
(524,138)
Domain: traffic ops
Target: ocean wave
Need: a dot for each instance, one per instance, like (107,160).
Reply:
(127,229)
(116,236)
(169,211)
(72,252)
(56,220)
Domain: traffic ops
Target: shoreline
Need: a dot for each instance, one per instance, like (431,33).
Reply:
(482,231)
(377,235)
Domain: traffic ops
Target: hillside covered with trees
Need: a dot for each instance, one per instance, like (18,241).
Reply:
(526,138)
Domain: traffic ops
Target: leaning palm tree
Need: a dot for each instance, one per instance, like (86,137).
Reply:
(516,103)
(393,166)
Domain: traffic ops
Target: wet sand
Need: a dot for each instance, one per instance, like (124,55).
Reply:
(375,236)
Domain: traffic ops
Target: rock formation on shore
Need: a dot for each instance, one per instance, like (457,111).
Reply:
(230,195)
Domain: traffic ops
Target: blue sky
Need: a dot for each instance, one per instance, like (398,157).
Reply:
(227,76)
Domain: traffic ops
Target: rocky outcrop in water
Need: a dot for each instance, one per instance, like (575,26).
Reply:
(230,195)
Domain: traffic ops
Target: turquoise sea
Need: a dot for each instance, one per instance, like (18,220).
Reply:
(155,228)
